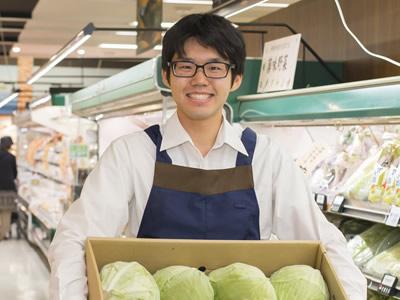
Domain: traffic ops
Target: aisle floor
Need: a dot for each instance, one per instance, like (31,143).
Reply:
(23,275)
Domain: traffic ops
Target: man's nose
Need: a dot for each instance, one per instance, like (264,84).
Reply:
(200,76)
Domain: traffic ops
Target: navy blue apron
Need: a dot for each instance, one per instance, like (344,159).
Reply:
(190,203)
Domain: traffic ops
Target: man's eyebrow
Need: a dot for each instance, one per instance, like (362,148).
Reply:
(216,59)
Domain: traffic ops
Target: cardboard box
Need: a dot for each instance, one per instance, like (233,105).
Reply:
(155,254)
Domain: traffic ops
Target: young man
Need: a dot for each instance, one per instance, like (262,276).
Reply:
(196,177)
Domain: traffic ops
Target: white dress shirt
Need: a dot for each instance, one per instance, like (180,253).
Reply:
(115,194)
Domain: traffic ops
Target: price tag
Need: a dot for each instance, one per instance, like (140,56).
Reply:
(338,204)
(387,285)
(321,200)
(393,217)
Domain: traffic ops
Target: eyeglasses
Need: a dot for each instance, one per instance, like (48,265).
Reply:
(214,70)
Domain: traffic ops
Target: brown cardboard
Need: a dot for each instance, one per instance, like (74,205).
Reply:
(155,254)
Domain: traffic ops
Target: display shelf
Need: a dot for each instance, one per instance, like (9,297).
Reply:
(373,284)
(43,245)
(43,218)
(45,175)
(362,214)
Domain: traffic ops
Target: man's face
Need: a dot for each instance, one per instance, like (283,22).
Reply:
(200,98)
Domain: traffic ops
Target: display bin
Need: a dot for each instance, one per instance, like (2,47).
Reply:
(155,254)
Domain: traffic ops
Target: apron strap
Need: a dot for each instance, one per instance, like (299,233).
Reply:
(249,139)
(155,135)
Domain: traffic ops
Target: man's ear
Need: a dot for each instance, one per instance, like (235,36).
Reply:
(236,82)
(164,78)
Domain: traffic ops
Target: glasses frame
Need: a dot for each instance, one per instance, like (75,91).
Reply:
(172,65)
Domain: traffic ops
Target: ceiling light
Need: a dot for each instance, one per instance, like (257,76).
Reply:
(99,117)
(128,33)
(16,49)
(72,45)
(239,11)
(9,98)
(199,2)
(40,101)
(133,23)
(81,52)
(280,5)
(167,24)
(118,46)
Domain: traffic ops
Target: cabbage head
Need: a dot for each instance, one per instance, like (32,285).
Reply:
(128,281)
(183,283)
(299,282)
(240,281)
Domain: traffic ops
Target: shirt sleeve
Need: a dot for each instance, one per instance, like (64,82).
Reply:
(101,210)
(15,167)
(297,217)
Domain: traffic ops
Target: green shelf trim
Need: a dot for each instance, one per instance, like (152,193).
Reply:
(133,81)
(376,101)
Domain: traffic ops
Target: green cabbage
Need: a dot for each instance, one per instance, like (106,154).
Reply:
(364,246)
(385,262)
(183,283)
(128,281)
(241,281)
(299,282)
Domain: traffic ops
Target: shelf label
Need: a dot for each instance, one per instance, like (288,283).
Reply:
(321,200)
(387,285)
(393,217)
(338,204)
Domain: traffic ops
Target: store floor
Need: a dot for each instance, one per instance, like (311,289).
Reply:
(23,275)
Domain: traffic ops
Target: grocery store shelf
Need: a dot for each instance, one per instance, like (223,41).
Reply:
(44,175)
(362,214)
(47,221)
(42,245)
(373,284)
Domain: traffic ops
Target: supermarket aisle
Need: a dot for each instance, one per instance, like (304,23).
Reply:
(23,275)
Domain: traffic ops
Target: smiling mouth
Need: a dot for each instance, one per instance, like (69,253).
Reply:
(199,96)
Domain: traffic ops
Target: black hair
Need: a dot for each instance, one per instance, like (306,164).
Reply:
(210,31)
(6,143)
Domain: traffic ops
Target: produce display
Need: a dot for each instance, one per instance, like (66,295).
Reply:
(364,246)
(238,281)
(299,282)
(385,262)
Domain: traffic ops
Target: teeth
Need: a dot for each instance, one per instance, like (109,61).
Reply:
(199,96)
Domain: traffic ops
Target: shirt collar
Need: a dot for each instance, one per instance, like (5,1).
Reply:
(174,135)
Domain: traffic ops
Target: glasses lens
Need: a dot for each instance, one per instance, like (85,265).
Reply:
(184,68)
(216,70)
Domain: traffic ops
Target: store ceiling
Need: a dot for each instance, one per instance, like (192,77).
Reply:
(48,25)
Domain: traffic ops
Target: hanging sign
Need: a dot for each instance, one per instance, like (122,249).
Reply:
(279,64)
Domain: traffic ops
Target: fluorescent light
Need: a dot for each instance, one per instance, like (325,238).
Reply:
(72,45)
(16,49)
(157,47)
(81,51)
(118,46)
(199,2)
(244,9)
(40,101)
(8,99)
(128,33)
(99,117)
(167,24)
(281,5)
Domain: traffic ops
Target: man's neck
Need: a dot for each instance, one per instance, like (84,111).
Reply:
(202,133)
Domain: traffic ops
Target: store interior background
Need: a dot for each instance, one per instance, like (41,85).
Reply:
(45,26)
